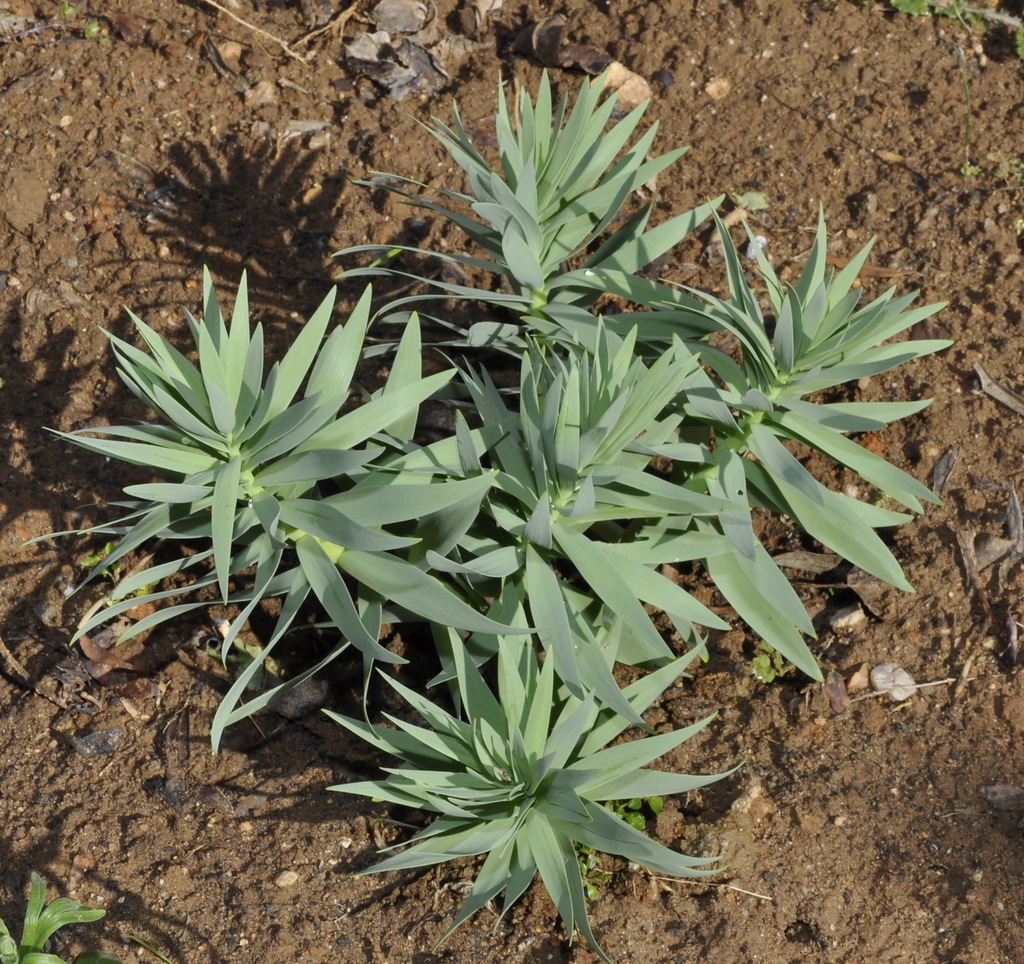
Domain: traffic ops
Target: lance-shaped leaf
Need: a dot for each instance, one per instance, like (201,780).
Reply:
(522,780)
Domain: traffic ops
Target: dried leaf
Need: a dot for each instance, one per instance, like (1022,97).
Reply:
(944,469)
(405,69)
(878,595)
(588,59)
(482,9)
(542,40)
(815,563)
(99,655)
(120,676)
(835,688)
(99,742)
(990,549)
(317,12)
(994,390)
(133,170)
(1015,522)
(130,29)
(260,94)
(231,53)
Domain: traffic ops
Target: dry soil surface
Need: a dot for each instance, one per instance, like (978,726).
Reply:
(177,137)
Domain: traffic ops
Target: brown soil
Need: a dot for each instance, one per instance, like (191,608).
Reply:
(128,161)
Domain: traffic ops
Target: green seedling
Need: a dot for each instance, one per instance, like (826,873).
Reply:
(523,776)
(95,558)
(637,810)
(590,870)
(271,473)
(751,200)
(41,923)
(769,664)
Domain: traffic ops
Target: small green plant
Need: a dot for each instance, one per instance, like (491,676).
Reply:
(590,870)
(41,923)
(523,777)
(249,458)
(95,558)
(635,810)
(768,664)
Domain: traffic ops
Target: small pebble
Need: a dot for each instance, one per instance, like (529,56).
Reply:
(718,88)
(99,742)
(860,680)
(848,619)
(894,680)
(287,878)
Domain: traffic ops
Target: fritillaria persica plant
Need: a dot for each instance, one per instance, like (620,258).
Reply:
(531,543)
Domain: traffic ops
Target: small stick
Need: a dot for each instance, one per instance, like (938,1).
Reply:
(705,883)
(916,686)
(1010,653)
(28,32)
(335,26)
(263,33)
(994,390)
(995,16)
(965,540)
(20,674)
(964,678)
(16,669)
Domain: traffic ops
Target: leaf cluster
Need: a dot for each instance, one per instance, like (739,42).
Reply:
(523,778)
(535,539)
(41,923)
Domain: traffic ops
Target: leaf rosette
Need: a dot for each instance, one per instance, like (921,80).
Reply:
(522,776)
(267,473)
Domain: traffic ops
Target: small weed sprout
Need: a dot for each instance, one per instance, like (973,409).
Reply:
(41,923)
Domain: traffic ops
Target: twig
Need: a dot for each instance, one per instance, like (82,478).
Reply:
(21,676)
(16,669)
(996,16)
(28,32)
(335,26)
(993,389)
(1010,653)
(965,541)
(705,883)
(916,686)
(263,33)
